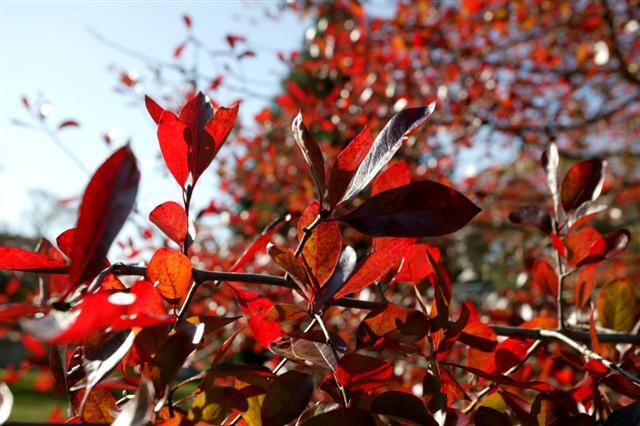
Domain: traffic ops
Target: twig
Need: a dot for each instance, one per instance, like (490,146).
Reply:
(589,354)
(329,342)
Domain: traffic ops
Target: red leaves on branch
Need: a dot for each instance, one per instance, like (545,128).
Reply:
(106,203)
(141,307)
(190,141)
(171,218)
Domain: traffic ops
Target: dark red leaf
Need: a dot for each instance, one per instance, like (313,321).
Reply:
(359,373)
(419,209)
(68,123)
(179,49)
(286,398)
(617,242)
(342,417)
(505,380)
(106,203)
(584,285)
(486,416)
(171,218)
(583,182)
(402,405)
(311,153)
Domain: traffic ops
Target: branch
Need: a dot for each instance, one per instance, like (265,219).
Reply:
(588,353)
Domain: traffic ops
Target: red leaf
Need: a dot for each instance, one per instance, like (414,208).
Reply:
(206,131)
(544,278)
(584,285)
(359,373)
(232,39)
(179,49)
(16,259)
(15,311)
(415,267)
(68,123)
(255,307)
(322,249)
(173,145)
(187,21)
(312,155)
(155,110)
(374,266)
(346,165)
(106,203)
(171,218)
(419,209)
(396,175)
(259,243)
(585,246)
(99,311)
(386,144)
(402,324)
(583,182)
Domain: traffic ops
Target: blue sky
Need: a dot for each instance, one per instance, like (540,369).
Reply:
(47,50)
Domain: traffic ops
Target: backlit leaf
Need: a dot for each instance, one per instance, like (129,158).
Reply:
(171,218)
(173,272)
(106,203)
(360,373)
(16,259)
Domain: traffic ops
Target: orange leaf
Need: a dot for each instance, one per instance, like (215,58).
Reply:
(172,270)
(322,249)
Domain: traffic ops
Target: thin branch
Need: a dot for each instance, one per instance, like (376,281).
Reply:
(589,354)
(332,345)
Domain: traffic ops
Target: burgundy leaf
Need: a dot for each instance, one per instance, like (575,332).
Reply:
(312,155)
(286,398)
(583,182)
(419,209)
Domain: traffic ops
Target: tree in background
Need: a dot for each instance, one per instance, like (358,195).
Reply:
(510,82)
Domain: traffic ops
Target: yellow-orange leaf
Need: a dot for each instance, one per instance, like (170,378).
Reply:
(322,249)
(617,305)
(172,270)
